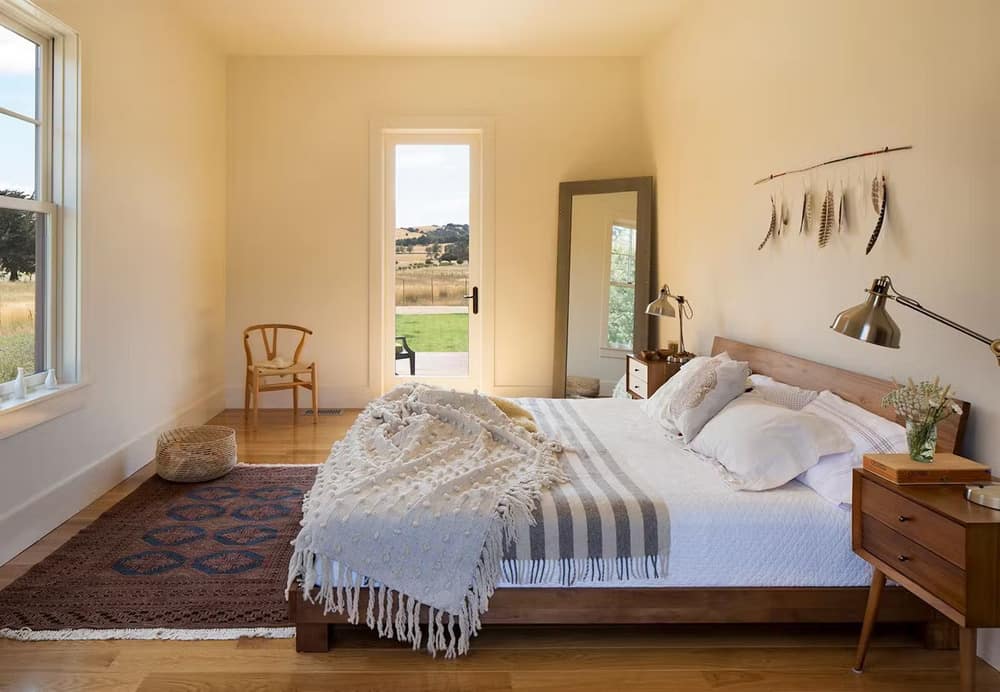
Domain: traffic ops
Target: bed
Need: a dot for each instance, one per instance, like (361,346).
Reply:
(780,556)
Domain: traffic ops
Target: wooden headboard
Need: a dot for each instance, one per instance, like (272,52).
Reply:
(863,390)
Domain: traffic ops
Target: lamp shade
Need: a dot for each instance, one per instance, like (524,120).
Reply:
(661,307)
(870,321)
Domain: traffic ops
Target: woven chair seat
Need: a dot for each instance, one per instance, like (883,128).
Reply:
(289,370)
(195,454)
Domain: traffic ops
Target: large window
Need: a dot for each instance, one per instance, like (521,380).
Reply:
(39,199)
(25,197)
(619,323)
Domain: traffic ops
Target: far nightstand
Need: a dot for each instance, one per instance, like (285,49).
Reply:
(644,377)
(934,543)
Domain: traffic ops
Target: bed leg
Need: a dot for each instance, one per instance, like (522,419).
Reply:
(940,633)
(312,637)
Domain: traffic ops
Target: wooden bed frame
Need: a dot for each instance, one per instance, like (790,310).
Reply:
(710,605)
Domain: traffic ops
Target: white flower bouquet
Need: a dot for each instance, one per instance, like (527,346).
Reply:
(922,405)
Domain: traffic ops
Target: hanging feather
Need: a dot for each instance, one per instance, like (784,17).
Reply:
(806,213)
(884,194)
(826,219)
(784,216)
(878,187)
(843,210)
(770,229)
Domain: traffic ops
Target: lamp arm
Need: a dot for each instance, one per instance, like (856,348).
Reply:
(994,344)
(914,305)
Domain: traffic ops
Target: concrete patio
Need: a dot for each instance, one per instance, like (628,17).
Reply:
(436,364)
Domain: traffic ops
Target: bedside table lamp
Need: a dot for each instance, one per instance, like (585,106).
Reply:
(870,322)
(661,307)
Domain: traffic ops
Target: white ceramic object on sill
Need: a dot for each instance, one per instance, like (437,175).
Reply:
(50,379)
(20,391)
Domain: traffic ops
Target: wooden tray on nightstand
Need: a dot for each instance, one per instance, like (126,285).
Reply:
(945,469)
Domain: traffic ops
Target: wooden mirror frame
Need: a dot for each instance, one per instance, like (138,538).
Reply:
(643,187)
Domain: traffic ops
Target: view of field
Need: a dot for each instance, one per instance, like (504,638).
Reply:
(17,327)
(432,271)
(432,265)
(432,285)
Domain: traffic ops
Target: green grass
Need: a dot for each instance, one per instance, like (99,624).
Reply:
(16,350)
(448,332)
(17,327)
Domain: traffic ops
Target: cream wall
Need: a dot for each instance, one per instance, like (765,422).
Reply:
(739,90)
(298,193)
(588,275)
(153,261)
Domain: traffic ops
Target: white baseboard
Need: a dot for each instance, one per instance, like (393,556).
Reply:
(25,524)
(329,397)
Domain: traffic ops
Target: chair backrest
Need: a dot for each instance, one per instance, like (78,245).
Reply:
(271,345)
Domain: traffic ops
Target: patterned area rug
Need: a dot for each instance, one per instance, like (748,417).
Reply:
(171,561)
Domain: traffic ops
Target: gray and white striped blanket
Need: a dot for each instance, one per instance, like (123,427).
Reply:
(598,527)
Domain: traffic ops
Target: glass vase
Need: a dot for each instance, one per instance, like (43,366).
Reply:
(921,438)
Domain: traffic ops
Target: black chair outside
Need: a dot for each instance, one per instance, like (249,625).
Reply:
(404,352)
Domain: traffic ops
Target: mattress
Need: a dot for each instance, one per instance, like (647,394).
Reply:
(789,536)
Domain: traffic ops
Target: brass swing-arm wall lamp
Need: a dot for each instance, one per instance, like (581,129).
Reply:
(870,321)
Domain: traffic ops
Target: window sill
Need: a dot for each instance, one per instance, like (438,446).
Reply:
(40,406)
(616,353)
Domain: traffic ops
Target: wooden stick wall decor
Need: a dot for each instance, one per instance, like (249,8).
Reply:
(833,210)
(877,152)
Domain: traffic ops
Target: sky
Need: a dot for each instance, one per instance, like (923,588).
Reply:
(17,93)
(432,184)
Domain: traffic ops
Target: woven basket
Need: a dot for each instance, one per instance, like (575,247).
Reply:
(193,454)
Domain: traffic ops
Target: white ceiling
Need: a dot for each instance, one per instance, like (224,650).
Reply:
(433,27)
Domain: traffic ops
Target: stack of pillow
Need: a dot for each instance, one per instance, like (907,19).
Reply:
(765,433)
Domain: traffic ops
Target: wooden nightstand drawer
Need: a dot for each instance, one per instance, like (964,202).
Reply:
(638,387)
(912,560)
(637,370)
(919,524)
(643,378)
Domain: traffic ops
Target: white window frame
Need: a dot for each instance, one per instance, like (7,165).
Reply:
(608,349)
(58,198)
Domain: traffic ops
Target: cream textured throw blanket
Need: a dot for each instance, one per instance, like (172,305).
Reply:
(416,505)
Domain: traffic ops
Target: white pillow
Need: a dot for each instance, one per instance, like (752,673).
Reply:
(762,445)
(696,393)
(787,395)
(868,432)
(656,406)
(706,393)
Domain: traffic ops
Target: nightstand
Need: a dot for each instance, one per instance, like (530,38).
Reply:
(934,543)
(643,377)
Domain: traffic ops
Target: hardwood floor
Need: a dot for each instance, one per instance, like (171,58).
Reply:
(743,658)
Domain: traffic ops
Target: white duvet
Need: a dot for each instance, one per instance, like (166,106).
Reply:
(789,536)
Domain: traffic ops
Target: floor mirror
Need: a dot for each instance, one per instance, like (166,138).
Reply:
(602,282)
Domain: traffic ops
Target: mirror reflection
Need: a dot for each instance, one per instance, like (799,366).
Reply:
(602,291)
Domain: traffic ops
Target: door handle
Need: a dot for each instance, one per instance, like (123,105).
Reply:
(475,300)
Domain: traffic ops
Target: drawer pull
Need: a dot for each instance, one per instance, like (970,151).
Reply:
(902,558)
(903,518)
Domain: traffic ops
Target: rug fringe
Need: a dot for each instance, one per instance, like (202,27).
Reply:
(165,633)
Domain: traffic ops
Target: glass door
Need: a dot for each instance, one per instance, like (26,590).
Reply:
(434,259)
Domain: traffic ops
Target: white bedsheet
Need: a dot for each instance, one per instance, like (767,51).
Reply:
(790,536)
